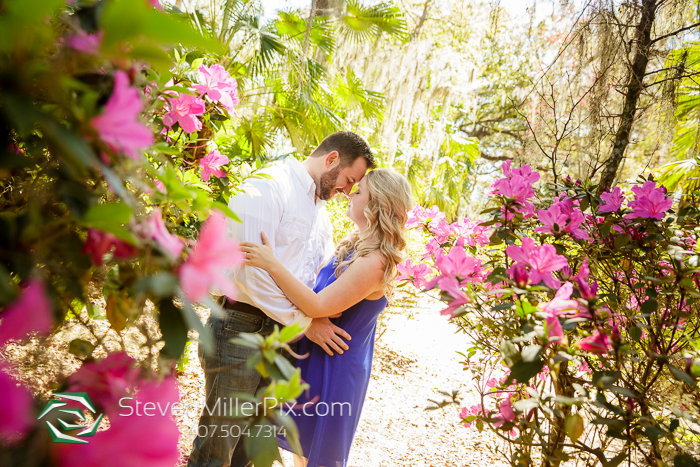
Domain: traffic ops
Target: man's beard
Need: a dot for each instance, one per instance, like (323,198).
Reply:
(327,184)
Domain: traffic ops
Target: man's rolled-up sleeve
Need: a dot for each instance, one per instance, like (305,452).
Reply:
(260,209)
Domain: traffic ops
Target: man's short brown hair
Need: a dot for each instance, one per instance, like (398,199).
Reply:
(349,147)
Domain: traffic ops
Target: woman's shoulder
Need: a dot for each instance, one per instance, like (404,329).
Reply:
(372,260)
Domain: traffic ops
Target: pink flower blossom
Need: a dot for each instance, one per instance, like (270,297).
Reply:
(159,185)
(424,217)
(211,163)
(561,304)
(554,330)
(99,243)
(87,43)
(473,233)
(415,273)
(612,201)
(184,110)
(473,411)
(517,186)
(16,409)
(442,231)
(597,343)
(542,260)
(588,290)
(456,264)
(506,413)
(213,254)
(649,202)
(456,296)
(118,126)
(133,440)
(31,312)
(562,217)
(218,85)
(432,249)
(159,232)
(107,380)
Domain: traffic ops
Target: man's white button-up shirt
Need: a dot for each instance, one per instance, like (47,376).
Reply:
(297,226)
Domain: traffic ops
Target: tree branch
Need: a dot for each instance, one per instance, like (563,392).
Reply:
(677,31)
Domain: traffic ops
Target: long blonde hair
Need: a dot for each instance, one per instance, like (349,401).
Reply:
(386,212)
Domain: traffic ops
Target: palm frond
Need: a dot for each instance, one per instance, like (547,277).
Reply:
(363,23)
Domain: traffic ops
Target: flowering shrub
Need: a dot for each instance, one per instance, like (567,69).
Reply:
(583,313)
(112,188)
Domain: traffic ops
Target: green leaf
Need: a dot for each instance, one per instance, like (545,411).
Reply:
(649,306)
(108,212)
(173,328)
(81,347)
(684,460)
(523,371)
(574,427)
(635,333)
(261,449)
(681,375)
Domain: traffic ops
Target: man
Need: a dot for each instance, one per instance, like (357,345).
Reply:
(290,208)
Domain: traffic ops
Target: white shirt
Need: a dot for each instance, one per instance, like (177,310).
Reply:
(298,228)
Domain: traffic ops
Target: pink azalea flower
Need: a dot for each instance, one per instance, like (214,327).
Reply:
(16,409)
(184,110)
(456,264)
(151,439)
(517,185)
(506,413)
(159,185)
(159,232)
(554,330)
(107,380)
(442,230)
(218,85)
(649,202)
(118,126)
(211,163)
(562,217)
(213,254)
(457,297)
(414,273)
(542,260)
(432,249)
(597,343)
(473,411)
(612,201)
(562,303)
(588,291)
(99,243)
(155,4)
(87,43)
(31,312)
(518,272)
(415,217)
(473,233)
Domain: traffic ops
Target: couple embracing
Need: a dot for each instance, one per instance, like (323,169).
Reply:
(294,274)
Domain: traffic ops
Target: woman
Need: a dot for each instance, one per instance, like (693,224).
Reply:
(356,282)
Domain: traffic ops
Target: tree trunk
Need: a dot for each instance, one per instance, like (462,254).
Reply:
(635,87)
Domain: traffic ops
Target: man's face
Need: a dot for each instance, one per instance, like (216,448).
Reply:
(341,180)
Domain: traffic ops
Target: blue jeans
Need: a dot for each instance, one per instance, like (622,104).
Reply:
(217,442)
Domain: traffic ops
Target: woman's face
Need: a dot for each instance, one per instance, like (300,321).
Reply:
(358,199)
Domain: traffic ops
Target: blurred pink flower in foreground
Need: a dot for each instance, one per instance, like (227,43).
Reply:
(16,417)
(217,84)
(149,438)
(107,380)
(184,110)
(99,243)
(31,312)
(159,232)
(415,273)
(211,163)
(612,200)
(597,343)
(87,43)
(119,126)
(505,414)
(206,265)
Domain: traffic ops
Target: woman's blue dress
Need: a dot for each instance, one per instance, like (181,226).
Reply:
(339,383)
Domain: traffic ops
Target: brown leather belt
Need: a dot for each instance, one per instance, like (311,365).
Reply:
(243,307)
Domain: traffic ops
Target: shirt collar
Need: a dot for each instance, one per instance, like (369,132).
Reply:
(303,176)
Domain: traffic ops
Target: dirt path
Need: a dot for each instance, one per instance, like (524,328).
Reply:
(414,359)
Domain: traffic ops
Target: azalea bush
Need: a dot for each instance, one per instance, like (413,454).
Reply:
(582,315)
(116,166)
